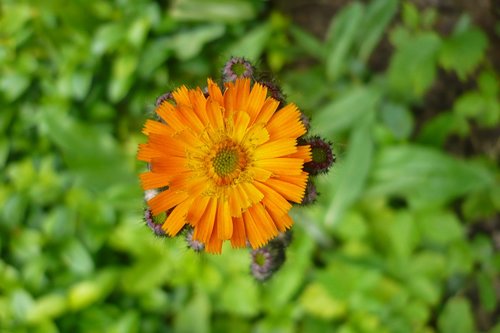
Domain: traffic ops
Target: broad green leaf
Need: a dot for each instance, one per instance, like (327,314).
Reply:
(437,130)
(195,316)
(341,38)
(346,112)
(86,292)
(187,44)
(426,176)
(353,172)
(378,15)
(398,119)
(463,51)
(129,322)
(410,15)
(122,76)
(316,301)
(93,156)
(251,46)
(308,43)
(240,297)
(76,257)
(456,317)
(412,69)
(13,85)
(48,306)
(439,227)
(213,10)
(487,292)
(107,38)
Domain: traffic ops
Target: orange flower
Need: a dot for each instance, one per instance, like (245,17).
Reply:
(229,162)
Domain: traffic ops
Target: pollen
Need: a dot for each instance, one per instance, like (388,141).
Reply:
(225,162)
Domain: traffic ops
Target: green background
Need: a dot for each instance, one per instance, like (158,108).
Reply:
(403,238)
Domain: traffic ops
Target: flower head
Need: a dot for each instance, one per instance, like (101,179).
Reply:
(267,260)
(229,161)
(321,154)
(237,68)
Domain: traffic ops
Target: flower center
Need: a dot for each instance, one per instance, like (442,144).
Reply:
(319,155)
(225,161)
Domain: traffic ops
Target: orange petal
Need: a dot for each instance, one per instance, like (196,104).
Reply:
(289,191)
(303,152)
(203,230)
(214,245)
(273,200)
(151,180)
(256,101)
(214,112)
(251,192)
(214,92)
(152,126)
(197,209)
(242,88)
(263,221)
(286,123)
(169,165)
(199,103)
(181,96)
(268,109)
(281,165)
(166,200)
(255,136)
(177,219)
(254,234)
(167,145)
(276,148)
(239,238)
(241,121)
(146,153)
(224,221)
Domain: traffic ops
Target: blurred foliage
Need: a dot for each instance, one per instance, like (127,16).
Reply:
(393,244)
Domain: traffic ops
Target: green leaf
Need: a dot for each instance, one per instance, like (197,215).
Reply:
(440,227)
(410,15)
(107,38)
(487,292)
(378,15)
(122,76)
(438,129)
(240,297)
(426,176)
(456,317)
(398,119)
(316,301)
(195,316)
(352,174)
(251,46)
(93,156)
(345,112)
(463,51)
(231,11)
(188,44)
(14,84)
(341,38)
(413,66)
(308,43)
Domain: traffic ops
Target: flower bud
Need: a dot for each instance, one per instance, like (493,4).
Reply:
(237,68)
(311,194)
(155,222)
(267,260)
(193,244)
(322,156)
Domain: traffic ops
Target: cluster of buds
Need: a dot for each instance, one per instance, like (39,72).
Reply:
(265,261)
